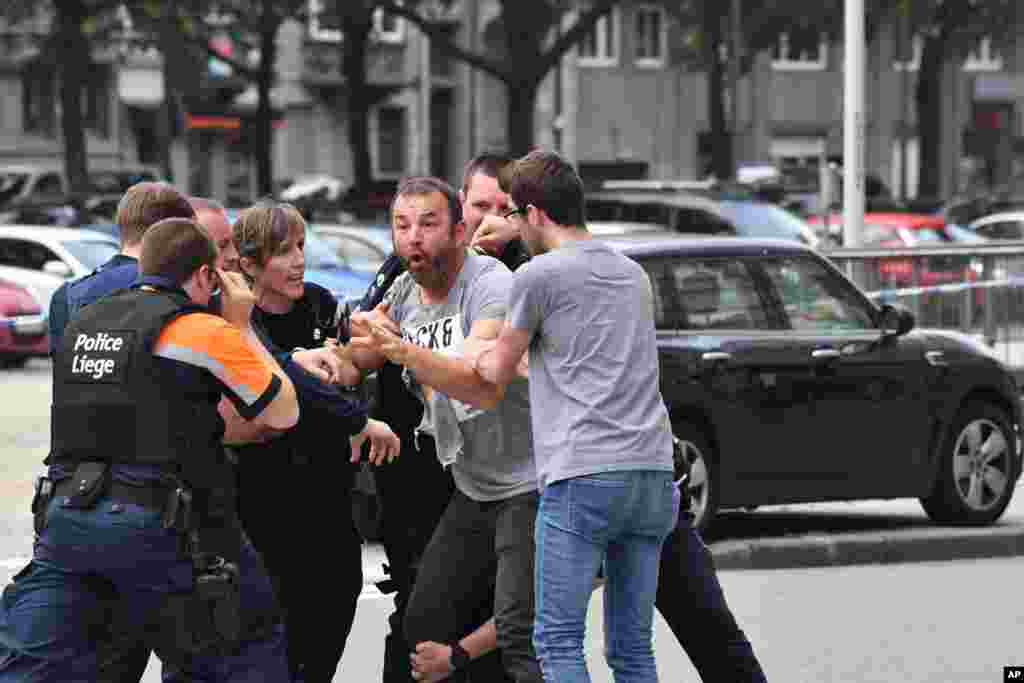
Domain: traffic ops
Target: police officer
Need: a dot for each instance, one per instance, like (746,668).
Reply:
(125,655)
(142,205)
(138,505)
(300,469)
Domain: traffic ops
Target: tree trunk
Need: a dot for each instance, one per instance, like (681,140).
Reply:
(73,70)
(264,108)
(521,100)
(168,110)
(928,99)
(721,143)
(358,100)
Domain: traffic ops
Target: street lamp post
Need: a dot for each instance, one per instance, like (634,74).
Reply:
(853,124)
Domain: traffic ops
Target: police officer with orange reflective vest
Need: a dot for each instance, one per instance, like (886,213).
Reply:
(138,506)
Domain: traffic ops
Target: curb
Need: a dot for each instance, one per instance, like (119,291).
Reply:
(874,547)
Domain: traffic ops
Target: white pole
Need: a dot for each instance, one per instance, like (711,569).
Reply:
(425,133)
(853,124)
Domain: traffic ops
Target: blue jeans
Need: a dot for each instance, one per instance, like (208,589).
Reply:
(115,559)
(620,519)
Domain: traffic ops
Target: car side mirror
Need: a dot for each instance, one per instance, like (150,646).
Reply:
(895,321)
(58,268)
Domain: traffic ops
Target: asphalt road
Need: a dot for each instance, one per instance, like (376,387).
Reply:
(951,621)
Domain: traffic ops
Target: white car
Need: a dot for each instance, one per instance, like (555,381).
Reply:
(1005,225)
(43,258)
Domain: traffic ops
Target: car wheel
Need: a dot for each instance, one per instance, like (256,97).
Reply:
(693,457)
(978,468)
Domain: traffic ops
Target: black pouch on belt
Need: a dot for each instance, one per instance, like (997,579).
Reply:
(90,482)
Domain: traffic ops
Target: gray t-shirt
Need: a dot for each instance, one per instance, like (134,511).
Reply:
(594,391)
(490,452)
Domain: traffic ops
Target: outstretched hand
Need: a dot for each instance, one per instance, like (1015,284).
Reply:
(431,662)
(384,445)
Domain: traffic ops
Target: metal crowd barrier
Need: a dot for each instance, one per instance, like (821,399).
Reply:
(977,289)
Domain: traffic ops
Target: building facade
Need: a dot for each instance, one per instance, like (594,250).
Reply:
(628,99)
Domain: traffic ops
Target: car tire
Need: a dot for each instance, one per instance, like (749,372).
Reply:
(978,468)
(693,455)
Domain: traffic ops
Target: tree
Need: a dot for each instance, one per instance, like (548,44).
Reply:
(356,19)
(254,27)
(707,44)
(949,30)
(534,44)
(75,27)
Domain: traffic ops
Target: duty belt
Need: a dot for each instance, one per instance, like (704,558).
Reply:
(151,496)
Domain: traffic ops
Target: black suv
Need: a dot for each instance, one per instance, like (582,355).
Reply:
(786,384)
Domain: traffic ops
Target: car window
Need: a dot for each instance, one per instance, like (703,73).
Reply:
(92,253)
(753,219)
(356,252)
(709,294)
(666,314)
(1002,230)
(701,222)
(11,185)
(24,254)
(816,299)
(319,255)
(115,182)
(49,184)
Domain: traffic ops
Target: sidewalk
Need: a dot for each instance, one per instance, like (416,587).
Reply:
(835,534)
(880,532)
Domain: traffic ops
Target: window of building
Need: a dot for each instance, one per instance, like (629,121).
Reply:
(984,57)
(324,22)
(39,99)
(800,49)
(387,27)
(601,46)
(649,36)
(913,168)
(392,142)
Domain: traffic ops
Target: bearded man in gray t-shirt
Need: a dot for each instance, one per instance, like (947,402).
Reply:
(601,432)
(450,297)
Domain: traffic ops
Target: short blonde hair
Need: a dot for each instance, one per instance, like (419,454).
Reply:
(147,203)
(261,229)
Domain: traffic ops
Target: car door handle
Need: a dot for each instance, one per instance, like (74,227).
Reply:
(936,358)
(716,357)
(825,354)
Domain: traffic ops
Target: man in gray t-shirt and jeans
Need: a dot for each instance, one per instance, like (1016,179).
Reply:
(601,432)
(450,297)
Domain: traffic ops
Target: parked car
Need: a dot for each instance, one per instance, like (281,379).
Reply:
(23,331)
(786,384)
(44,257)
(325,268)
(1005,225)
(691,213)
(46,183)
(363,248)
(882,230)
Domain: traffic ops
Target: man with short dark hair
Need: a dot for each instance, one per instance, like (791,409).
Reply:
(449,295)
(601,430)
(137,473)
